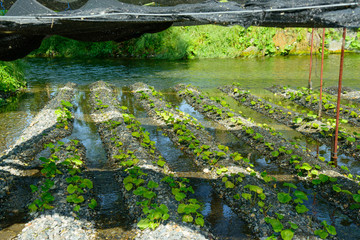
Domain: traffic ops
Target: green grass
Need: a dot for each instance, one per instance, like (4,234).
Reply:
(11,77)
(11,80)
(205,41)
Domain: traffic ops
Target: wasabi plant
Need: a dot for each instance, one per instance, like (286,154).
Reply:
(63,114)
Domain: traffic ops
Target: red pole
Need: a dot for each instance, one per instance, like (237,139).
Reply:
(311,50)
(321,74)
(334,157)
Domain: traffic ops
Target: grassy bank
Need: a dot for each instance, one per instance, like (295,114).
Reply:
(11,79)
(206,41)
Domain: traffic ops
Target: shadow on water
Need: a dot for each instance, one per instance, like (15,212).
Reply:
(321,210)
(112,219)
(225,224)
(13,207)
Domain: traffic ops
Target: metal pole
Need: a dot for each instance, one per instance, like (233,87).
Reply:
(334,157)
(322,71)
(311,50)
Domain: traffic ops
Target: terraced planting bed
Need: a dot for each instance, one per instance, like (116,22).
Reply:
(149,189)
(136,187)
(242,185)
(346,93)
(310,100)
(307,124)
(17,166)
(295,159)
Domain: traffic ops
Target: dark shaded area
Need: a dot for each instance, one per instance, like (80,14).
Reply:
(104,20)
(14,205)
(18,45)
(112,212)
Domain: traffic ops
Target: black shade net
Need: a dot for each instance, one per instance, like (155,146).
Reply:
(28,22)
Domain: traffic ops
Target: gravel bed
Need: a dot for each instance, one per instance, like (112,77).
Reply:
(280,114)
(245,209)
(200,133)
(346,93)
(42,128)
(61,222)
(17,165)
(309,101)
(239,131)
(342,199)
(57,227)
(286,116)
(101,91)
(112,112)
(172,231)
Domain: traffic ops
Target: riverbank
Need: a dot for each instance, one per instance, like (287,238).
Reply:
(206,41)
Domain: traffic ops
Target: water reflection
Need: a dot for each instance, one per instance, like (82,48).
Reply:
(225,224)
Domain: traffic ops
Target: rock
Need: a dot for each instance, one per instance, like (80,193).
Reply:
(250,51)
(206,170)
(335,46)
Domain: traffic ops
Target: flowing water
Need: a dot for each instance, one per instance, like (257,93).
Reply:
(45,76)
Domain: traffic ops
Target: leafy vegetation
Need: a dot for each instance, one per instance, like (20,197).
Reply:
(206,41)
(139,182)
(11,79)
(63,114)
(52,167)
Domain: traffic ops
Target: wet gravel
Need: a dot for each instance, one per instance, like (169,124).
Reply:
(17,166)
(174,227)
(346,93)
(204,136)
(313,104)
(42,128)
(280,114)
(61,222)
(247,210)
(282,161)
(239,131)
(286,116)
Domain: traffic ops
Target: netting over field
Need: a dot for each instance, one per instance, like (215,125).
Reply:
(27,22)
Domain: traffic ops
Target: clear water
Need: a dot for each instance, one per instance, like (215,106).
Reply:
(45,75)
